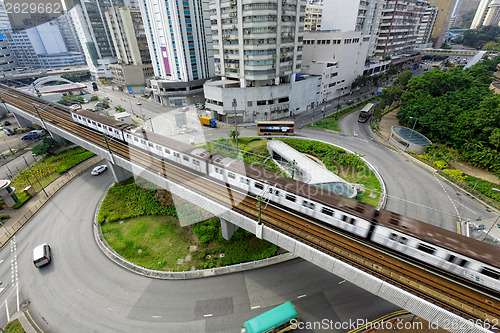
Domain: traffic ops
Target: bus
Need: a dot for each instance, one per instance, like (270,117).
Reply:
(366,112)
(275,127)
(282,318)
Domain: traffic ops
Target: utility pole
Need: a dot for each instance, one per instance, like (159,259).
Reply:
(235,103)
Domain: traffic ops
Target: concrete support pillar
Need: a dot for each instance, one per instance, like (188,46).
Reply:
(228,229)
(57,138)
(23,122)
(119,173)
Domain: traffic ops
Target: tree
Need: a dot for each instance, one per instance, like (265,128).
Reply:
(403,78)
(477,38)
(232,134)
(47,146)
(495,138)
(119,108)
(392,70)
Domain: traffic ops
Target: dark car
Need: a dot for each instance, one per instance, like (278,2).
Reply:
(8,131)
(6,123)
(30,136)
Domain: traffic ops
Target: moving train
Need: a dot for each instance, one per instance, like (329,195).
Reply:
(461,256)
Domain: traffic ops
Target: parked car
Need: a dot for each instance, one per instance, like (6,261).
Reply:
(8,131)
(6,123)
(30,136)
(138,103)
(33,135)
(98,170)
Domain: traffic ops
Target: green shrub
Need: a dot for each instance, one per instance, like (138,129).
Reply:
(440,164)
(71,161)
(22,199)
(127,201)
(207,231)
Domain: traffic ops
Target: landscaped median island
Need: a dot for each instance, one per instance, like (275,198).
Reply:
(349,167)
(46,170)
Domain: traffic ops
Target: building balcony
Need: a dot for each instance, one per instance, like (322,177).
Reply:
(267,67)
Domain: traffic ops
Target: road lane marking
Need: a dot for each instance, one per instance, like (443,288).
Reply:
(255,307)
(208,315)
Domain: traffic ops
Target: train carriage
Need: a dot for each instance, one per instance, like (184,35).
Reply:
(110,127)
(441,248)
(323,205)
(447,250)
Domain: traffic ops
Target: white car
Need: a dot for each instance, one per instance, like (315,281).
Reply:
(98,170)
(138,103)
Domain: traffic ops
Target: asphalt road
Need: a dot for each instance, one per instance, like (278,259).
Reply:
(81,290)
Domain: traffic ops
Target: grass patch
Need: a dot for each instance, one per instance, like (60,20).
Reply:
(154,242)
(158,241)
(123,202)
(14,327)
(23,197)
(49,168)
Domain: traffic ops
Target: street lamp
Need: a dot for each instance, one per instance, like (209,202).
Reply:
(235,103)
(494,223)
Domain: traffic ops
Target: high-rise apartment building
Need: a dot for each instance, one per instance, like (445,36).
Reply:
(481,12)
(258,54)
(492,14)
(131,47)
(443,18)
(8,64)
(426,26)
(314,10)
(390,25)
(92,29)
(179,40)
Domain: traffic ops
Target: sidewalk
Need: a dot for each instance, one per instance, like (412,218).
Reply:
(19,218)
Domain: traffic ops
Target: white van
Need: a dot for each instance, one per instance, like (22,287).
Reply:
(41,255)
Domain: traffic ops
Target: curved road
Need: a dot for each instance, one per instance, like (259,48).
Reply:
(82,291)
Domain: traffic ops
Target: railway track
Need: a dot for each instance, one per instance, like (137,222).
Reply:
(451,295)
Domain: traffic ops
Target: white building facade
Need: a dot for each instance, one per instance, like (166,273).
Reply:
(390,25)
(481,12)
(338,57)
(258,54)
(493,14)
(426,26)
